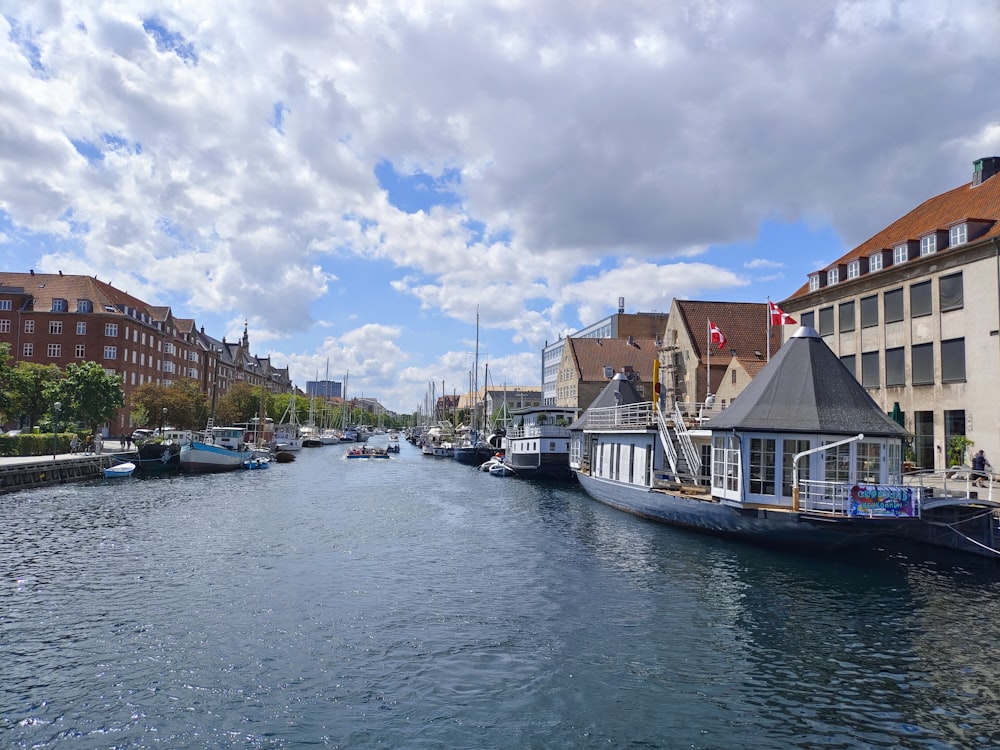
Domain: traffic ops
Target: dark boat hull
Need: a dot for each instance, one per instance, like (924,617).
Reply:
(159,457)
(776,528)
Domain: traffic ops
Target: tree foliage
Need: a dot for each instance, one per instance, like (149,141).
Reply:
(30,391)
(88,394)
(183,400)
(240,404)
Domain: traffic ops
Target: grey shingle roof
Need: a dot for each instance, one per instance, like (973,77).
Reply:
(805,388)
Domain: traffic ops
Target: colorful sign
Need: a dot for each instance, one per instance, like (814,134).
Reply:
(882,501)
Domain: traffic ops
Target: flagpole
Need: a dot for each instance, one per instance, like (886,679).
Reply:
(768,329)
(708,375)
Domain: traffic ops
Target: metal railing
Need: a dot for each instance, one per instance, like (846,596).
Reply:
(668,444)
(690,454)
(824,497)
(954,482)
(627,415)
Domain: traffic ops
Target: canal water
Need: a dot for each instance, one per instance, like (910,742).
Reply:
(418,603)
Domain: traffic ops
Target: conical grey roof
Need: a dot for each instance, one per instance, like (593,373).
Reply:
(618,392)
(806,388)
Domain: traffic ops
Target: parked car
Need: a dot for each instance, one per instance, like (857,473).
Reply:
(141,436)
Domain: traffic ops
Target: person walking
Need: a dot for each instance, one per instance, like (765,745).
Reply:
(979,468)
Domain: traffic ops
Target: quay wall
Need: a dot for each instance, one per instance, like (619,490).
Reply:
(24,473)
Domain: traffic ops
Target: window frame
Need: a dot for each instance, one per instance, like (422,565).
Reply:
(953,368)
(870,375)
(891,296)
(921,299)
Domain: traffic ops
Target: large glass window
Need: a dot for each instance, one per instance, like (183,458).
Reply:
(788,450)
(895,366)
(893,305)
(837,463)
(809,319)
(953,361)
(846,316)
(869,311)
(762,466)
(869,370)
(922,362)
(868,466)
(954,425)
(920,299)
(951,292)
(725,462)
(826,321)
(923,439)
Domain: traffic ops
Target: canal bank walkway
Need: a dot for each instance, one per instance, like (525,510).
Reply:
(23,472)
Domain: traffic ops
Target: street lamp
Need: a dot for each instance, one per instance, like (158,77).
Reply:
(55,428)
(163,423)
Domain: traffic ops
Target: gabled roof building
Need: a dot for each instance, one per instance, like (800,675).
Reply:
(687,355)
(589,363)
(61,318)
(914,313)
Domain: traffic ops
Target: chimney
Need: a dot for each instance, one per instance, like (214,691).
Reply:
(983,169)
(621,305)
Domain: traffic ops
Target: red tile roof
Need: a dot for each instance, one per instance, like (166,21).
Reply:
(965,203)
(744,324)
(592,355)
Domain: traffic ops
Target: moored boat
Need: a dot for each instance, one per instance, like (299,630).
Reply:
(122,469)
(221,449)
(536,445)
(804,458)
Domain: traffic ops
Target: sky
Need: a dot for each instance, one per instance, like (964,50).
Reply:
(361,181)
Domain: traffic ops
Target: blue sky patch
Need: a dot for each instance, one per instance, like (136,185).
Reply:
(419,191)
(87,150)
(22,38)
(170,41)
(278,119)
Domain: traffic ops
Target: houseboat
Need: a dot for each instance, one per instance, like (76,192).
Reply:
(536,444)
(803,458)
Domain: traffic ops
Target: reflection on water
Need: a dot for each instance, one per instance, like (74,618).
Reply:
(418,602)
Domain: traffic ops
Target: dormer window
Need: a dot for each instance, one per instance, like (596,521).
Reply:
(900,254)
(59,304)
(928,245)
(875,262)
(84,306)
(815,282)
(958,234)
(854,269)
(833,276)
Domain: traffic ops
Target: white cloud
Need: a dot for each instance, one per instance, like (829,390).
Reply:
(645,131)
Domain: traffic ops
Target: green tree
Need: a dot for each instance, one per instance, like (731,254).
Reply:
(183,400)
(6,382)
(89,395)
(31,385)
(240,404)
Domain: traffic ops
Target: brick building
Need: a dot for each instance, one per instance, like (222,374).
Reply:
(58,319)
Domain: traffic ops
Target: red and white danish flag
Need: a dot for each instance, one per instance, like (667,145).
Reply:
(717,337)
(779,317)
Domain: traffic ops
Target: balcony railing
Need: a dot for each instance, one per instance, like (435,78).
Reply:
(615,417)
